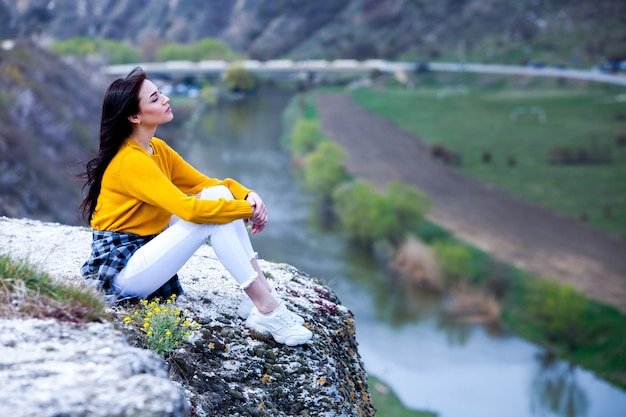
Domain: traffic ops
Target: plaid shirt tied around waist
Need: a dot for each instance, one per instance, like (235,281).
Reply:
(110,252)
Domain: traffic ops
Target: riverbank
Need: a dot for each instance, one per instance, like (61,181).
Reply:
(530,237)
(587,332)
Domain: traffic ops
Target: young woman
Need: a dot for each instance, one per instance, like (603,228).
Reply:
(150,211)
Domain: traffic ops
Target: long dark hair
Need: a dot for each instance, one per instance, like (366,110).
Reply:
(121,101)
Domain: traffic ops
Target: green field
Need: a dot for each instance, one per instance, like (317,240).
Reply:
(518,129)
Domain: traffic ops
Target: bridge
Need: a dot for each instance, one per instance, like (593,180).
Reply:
(305,68)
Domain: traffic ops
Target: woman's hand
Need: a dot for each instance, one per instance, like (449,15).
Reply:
(259,212)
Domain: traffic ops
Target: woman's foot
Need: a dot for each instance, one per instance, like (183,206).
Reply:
(246,306)
(281,324)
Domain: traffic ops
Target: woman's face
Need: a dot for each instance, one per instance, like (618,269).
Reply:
(154,108)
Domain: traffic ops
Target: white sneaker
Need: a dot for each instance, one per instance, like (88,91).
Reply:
(246,306)
(281,324)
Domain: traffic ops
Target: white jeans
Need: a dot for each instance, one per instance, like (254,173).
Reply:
(157,261)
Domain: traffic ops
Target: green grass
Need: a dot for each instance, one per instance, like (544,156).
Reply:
(594,337)
(387,403)
(478,119)
(25,291)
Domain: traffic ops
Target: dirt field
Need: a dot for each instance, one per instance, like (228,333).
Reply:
(531,237)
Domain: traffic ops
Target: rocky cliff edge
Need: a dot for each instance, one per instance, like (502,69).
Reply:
(51,368)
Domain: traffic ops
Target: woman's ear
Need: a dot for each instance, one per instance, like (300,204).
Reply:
(134,119)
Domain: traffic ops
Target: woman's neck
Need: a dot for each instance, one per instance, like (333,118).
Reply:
(143,137)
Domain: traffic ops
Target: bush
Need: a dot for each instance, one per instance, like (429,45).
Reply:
(558,310)
(368,217)
(324,169)
(305,136)
(112,52)
(239,79)
(409,205)
(455,261)
(204,49)
(364,214)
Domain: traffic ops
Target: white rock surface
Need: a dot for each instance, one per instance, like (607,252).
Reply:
(48,368)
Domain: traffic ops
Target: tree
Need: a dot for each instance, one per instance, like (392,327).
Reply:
(365,215)
(559,311)
(305,136)
(239,79)
(324,169)
(410,206)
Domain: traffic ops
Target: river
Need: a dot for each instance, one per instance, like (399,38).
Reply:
(431,364)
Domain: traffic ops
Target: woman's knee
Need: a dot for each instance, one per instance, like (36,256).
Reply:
(216,192)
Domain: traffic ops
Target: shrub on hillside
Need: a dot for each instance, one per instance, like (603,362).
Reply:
(203,49)
(305,135)
(363,214)
(409,205)
(558,310)
(324,169)
(455,262)
(110,51)
(368,216)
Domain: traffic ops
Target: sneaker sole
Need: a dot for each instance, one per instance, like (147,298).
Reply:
(289,341)
(244,313)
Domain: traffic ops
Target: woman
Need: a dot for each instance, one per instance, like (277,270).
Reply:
(150,211)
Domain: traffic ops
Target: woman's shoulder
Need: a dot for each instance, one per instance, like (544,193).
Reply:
(162,148)
(160,143)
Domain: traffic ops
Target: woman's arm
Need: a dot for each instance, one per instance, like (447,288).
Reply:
(143,179)
(191,181)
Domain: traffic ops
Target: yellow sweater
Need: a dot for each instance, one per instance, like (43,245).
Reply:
(140,192)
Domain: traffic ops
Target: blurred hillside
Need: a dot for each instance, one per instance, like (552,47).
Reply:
(49,120)
(555,32)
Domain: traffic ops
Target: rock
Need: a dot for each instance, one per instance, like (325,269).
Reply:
(48,368)
(228,370)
